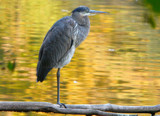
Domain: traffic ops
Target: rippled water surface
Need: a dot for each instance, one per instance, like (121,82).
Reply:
(118,63)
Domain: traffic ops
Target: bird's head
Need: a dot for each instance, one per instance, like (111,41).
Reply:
(85,11)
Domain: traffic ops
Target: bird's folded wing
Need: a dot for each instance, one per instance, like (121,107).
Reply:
(57,42)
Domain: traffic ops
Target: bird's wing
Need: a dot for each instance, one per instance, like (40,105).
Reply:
(57,42)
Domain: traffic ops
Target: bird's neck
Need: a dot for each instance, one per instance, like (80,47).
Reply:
(81,20)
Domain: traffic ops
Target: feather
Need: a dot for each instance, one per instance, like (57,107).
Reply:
(56,46)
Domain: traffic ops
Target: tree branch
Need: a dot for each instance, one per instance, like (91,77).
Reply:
(78,109)
(119,109)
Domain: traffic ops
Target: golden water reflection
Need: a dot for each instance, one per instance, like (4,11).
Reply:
(118,63)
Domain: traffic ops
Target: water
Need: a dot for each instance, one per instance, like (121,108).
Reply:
(118,63)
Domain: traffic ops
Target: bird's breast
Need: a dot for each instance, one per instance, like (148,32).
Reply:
(66,58)
(82,33)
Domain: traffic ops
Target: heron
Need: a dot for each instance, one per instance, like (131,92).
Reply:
(61,41)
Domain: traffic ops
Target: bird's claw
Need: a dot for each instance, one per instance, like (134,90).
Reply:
(62,105)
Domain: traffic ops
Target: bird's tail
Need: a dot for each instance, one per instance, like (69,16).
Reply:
(42,72)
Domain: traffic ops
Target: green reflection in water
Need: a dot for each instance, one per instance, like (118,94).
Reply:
(119,61)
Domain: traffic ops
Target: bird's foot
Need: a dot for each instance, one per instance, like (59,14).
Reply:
(62,105)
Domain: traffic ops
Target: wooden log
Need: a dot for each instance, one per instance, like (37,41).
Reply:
(83,109)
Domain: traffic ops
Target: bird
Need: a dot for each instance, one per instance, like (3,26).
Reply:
(61,41)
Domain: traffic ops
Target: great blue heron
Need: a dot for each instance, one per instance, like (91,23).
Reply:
(61,41)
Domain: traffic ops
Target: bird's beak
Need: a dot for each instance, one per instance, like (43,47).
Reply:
(94,11)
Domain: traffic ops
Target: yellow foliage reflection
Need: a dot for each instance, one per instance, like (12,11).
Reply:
(117,63)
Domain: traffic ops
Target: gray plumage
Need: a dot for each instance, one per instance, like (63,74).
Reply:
(60,42)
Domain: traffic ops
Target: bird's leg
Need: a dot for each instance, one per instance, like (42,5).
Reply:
(58,89)
(58,85)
